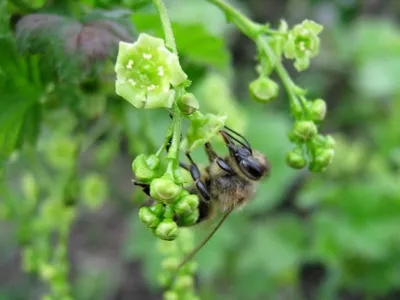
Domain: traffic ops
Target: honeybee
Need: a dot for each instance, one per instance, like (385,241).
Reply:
(227,183)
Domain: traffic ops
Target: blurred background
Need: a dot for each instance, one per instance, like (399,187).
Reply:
(66,138)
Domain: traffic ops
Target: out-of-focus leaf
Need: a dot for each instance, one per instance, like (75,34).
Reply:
(379,77)
(69,44)
(192,40)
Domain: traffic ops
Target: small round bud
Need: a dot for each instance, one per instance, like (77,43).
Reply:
(170,264)
(296,159)
(167,230)
(170,295)
(148,218)
(186,205)
(318,110)
(189,268)
(184,282)
(324,157)
(164,189)
(188,104)
(157,209)
(263,89)
(304,130)
(188,220)
(145,168)
(330,142)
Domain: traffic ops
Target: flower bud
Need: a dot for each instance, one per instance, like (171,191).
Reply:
(145,168)
(318,110)
(184,282)
(188,104)
(304,130)
(187,205)
(164,189)
(188,220)
(148,218)
(190,267)
(330,142)
(170,264)
(263,89)
(170,295)
(324,157)
(296,159)
(167,230)
(157,209)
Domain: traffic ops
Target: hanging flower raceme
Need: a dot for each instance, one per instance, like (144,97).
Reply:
(145,71)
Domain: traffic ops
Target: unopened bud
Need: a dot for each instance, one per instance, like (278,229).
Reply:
(145,167)
(318,110)
(263,89)
(157,209)
(170,295)
(188,104)
(296,159)
(304,130)
(148,218)
(187,205)
(167,230)
(164,189)
(184,282)
(189,220)
(324,157)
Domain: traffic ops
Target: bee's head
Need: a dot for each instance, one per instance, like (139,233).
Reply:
(251,163)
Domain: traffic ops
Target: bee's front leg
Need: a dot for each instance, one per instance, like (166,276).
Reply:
(195,172)
(212,155)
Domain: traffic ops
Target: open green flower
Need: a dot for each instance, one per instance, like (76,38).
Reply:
(202,129)
(303,43)
(145,71)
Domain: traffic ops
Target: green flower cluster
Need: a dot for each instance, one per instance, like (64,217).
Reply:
(172,200)
(181,283)
(318,148)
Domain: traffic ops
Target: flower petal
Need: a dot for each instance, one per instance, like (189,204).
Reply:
(124,89)
(164,99)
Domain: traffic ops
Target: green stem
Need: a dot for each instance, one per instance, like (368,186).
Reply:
(255,32)
(245,25)
(173,152)
(280,69)
(166,24)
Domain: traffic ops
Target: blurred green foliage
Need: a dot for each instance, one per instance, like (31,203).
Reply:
(62,125)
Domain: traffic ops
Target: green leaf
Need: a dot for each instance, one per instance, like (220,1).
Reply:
(14,108)
(192,40)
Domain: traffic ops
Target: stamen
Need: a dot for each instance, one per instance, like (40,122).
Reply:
(147,55)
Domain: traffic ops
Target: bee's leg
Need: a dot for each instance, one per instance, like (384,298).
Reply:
(145,187)
(195,172)
(212,155)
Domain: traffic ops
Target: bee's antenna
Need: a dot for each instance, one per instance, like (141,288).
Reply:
(239,135)
(195,250)
(235,139)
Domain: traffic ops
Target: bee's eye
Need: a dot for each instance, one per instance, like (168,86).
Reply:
(252,168)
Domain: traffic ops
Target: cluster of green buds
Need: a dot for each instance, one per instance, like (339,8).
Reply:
(180,284)
(172,200)
(149,76)
(300,43)
(304,134)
